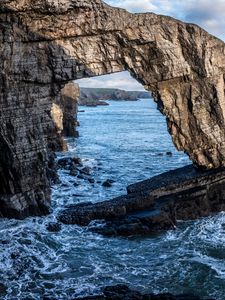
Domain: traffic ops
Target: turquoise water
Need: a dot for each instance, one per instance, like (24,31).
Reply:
(126,142)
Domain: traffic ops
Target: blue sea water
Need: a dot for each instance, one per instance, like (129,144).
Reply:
(126,142)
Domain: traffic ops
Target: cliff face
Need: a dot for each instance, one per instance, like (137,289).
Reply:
(45,44)
(90,96)
(64,116)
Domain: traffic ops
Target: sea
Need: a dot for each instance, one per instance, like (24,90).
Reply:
(127,142)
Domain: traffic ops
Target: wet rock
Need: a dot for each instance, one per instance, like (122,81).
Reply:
(14,255)
(73,172)
(4,242)
(64,184)
(155,204)
(53,227)
(3,289)
(86,171)
(169,153)
(123,292)
(77,161)
(71,164)
(52,169)
(160,154)
(64,162)
(108,183)
(91,180)
(80,176)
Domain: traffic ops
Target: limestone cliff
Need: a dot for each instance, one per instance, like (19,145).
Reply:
(64,116)
(47,43)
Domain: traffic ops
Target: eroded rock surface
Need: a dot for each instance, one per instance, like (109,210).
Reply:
(45,44)
(155,204)
(122,292)
(64,115)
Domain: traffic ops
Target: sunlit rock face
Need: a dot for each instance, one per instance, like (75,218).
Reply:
(64,116)
(45,44)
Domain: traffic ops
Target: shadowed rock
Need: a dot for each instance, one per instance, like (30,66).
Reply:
(155,204)
(64,116)
(122,292)
(45,44)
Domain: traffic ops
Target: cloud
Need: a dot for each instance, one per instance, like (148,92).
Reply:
(133,5)
(121,80)
(209,15)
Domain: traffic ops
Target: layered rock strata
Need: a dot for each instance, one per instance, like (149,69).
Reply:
(46,44)
(155,204)
(64,115)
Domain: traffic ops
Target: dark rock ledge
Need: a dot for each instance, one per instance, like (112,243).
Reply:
(155,204)
(122,292)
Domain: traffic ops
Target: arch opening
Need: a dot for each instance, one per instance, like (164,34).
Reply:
(123,131)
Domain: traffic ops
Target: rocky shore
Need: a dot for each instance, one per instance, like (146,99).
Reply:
(122,292)
(95,96)
(155,204)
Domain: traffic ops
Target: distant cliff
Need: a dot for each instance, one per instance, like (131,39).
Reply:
(94,96)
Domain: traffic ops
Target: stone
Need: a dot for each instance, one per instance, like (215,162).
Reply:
(155,204)
(73,172)
(77,161)
(123,292)
(169,153)
(69,163)
(91,180)
(53,227)
(85,170)
(108,183)
(52,174)
(65,162)
(81,176)
(3,289)
(47,44)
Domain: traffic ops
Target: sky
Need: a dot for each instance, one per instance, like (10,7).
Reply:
(209,14)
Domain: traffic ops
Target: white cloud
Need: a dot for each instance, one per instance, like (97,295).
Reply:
(121,80)
(133,5)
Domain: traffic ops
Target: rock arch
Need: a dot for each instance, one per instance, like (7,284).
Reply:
(45,44)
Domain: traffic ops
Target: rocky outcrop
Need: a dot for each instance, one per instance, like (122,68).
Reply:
(45,44)
(64,116)
(155,204)
(69,102)
(122,292)
(93,96)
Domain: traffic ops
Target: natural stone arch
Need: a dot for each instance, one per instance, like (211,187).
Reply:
(45,44)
